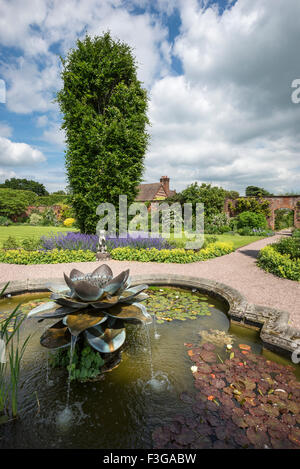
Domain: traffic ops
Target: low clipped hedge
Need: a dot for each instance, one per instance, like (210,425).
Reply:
(180,256)
(56,256)
(279,264)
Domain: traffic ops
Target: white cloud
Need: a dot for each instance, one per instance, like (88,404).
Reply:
(229,118)
(54,134)
(6,175)
(17,154)
(5,130)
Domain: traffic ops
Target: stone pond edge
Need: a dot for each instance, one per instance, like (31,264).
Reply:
(275,332)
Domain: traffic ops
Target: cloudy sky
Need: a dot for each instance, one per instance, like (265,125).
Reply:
(218,73)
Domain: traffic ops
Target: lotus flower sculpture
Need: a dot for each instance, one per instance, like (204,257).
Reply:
(95,305)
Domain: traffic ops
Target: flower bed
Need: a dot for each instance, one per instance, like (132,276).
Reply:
(279,264)
(180,256)
(56,256)
(77,241)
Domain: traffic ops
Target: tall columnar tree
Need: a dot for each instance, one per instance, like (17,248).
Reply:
(104,116)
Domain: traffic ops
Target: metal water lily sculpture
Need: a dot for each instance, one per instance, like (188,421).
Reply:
(95,305)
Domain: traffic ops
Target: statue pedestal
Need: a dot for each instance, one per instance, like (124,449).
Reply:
(102,256)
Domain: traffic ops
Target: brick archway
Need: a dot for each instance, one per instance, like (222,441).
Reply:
(276,202)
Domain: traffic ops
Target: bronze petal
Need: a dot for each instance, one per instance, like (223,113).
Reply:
(107,340)
(117,284)
(130,293)
(134,313)
(60,312)
(106,302)
(87,291)
(104,272)
(57,336)
(78,322)
(68,302)
(76,275)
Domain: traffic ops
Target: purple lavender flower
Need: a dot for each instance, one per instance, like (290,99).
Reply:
(76,241)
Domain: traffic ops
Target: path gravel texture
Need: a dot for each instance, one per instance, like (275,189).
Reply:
(237,270)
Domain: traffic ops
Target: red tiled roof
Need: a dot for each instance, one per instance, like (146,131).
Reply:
(150,191)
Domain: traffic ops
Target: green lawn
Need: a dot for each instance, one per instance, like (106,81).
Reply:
(24,231)
(21,232)
(237,240)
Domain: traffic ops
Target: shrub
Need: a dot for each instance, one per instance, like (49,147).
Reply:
(45,257)
(49,218)
(30,244)
(69,222)
(278,264)
(70,241)
(251,204)
(289,246)
(255,232)
(251,220)
(181,256)
(35,219)
(14,202)
(296,233)
(4,221)
(10,243)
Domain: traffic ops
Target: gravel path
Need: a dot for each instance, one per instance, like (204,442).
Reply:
(237,270)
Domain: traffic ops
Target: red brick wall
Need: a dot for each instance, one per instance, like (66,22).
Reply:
(276,202)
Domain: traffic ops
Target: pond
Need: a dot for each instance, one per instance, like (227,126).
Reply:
(137,404)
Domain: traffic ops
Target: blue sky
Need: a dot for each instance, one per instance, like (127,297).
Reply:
(218,74)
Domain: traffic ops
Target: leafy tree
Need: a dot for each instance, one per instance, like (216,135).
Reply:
(253,191)
(14,202)
(252,204)
(25,185)
(104,115)
(212,197)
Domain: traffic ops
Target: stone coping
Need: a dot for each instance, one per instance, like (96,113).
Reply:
(275,332)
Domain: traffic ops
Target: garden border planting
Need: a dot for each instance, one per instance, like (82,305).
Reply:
(275,332)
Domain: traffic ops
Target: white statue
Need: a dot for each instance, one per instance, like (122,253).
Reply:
(102,242)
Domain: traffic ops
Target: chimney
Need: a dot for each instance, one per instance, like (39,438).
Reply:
(165,181)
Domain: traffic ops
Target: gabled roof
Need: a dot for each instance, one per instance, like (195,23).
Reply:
(149,191)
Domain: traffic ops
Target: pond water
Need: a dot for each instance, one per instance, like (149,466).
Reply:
(124,407)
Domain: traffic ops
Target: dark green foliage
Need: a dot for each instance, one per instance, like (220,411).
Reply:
(252,204)
(296,233)
(25,185)
(14,202)
(52,199)
(10,243)
(104,108)
(212,197)
(284,218)
(289,246)
(253,191)
(282,265)
(251,220)
(5,221)
(86,363)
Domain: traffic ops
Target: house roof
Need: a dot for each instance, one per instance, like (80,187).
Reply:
(150,191)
